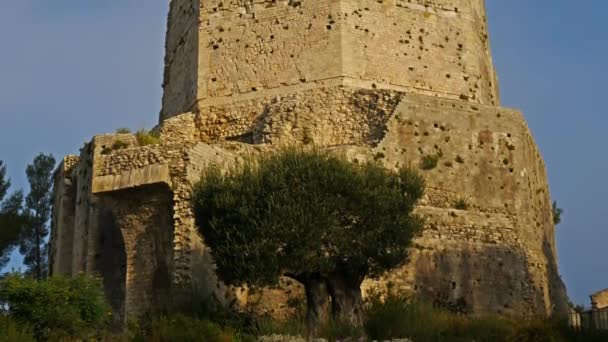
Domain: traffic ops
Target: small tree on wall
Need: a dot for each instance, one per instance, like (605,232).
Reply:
(311,216)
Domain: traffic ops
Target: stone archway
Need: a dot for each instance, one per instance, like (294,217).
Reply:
(136,248)
(112,263)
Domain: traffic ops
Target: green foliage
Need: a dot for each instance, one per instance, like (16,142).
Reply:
(535,330)
(119,145)
(106,150)
(557,213)
(462,203)
(57,306)
(383,318)
(399,317)
(4,183)
(306,211)
(38,211)
(182,328)
(11,218)
(429,161)
(11,331)
(267,325)
(335,330)
(145,137)
(123,130)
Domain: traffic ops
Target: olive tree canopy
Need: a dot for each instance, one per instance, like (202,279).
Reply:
(312,216)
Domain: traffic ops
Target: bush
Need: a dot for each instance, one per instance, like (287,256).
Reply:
(123,130)
(11,331)
(145,137)
(535,330)
(341,331)
(462,203)
(180,327)
(119,145)
(56,307)
(429,161)
(266,326)
(398,317)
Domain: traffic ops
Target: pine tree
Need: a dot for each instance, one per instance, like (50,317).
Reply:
(38,204)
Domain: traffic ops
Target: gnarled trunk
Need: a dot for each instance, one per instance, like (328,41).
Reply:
(346,300)
(317,303)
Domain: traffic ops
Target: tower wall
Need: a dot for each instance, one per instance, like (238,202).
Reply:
(255,50)
(438,48)
(181,57)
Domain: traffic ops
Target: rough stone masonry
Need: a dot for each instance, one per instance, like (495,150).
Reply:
(400,81)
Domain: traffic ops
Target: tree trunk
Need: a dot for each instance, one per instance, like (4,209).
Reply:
(346,300)
(317,304)
(38,268)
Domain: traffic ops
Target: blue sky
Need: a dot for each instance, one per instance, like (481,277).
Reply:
(70,69)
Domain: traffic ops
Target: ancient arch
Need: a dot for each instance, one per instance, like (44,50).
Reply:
(135,248)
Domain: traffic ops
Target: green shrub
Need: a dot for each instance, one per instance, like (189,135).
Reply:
(58,307)
(429,161)
(106,150)
(145,137)
(119,145)
(266,325)
(341,331)
(123,130)
(180,327)
(462,203)
(11,331)
(383,318)
(398,317)
(535,330)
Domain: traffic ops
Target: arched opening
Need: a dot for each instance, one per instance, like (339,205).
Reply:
(113,263)
(135,251)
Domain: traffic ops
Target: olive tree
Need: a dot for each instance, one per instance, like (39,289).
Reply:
(312,216)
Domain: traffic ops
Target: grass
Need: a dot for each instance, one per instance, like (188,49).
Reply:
(123,130)
(398,317)
(145,137)
(192,316)
(119,145)
(462,203)
(429,161)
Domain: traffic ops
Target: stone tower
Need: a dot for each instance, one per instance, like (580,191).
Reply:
(227,58)
(399,81)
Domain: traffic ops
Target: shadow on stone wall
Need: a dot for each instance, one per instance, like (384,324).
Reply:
(557,289)
(478,279)
(112,261)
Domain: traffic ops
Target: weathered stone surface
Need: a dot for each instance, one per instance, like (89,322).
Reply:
(396,81)
(599,300)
